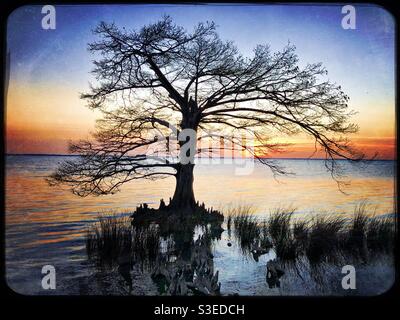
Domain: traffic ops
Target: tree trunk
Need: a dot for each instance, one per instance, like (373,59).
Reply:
(183,198)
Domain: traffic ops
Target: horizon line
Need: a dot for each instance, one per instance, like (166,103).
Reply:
(272,158)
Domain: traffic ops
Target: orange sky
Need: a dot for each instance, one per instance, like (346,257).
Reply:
(40,120)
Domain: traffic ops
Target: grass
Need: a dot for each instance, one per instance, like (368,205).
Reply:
(113,237)
(312,250)
(109,237)
(300,234)
(328,238)
(381,235)
(356,241)
(246,229)
(320,239)
(279,229)
(245,225)
(324,239)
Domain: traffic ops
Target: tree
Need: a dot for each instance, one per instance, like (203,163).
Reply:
(161,75)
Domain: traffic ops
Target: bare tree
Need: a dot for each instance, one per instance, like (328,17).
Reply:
(166,79)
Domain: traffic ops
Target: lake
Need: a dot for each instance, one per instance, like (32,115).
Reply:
(46,225)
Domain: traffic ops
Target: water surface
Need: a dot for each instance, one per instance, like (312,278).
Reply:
(46,225)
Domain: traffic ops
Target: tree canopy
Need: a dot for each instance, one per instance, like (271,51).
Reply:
(165,79)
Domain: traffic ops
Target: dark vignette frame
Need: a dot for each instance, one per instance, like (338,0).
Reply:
(138,306)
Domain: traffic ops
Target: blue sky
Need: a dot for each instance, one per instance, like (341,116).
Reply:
(61,55)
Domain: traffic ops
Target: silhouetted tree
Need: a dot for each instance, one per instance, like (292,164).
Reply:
(165,79)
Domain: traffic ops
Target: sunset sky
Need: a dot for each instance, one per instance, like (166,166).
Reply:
(50,68)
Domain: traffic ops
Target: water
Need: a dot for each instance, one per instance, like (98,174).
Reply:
(46,225)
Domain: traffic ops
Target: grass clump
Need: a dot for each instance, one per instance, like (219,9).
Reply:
(246,226)
(356,235)
(381,235)
(113,237)
(109,238)
(324,239)
(279,229)
(301,234)
(246,229)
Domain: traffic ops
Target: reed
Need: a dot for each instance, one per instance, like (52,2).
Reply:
(109,238)
(279,229)
(113,237)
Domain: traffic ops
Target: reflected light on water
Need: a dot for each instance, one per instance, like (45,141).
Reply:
(47,225)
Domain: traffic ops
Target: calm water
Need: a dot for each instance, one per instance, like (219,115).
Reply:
(47,225)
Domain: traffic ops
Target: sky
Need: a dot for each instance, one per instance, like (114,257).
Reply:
(49,69)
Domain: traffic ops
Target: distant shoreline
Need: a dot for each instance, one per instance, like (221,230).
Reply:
(72,155)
